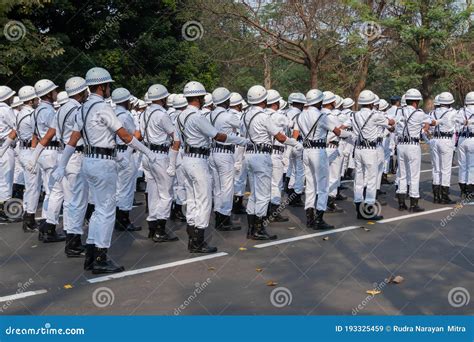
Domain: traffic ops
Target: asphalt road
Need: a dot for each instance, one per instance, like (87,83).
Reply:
(316,274)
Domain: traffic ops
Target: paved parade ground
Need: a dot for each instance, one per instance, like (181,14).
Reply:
(304,272)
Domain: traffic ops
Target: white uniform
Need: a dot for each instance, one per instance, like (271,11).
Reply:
(98,124)
(241,161)
(347,144)
(333,151)
(179,189)
(74,184)
(466,145)
(156,128)
(314,126)
(222,160)
(196,132)
(295,169)
(7,161)
(18,176)
(409,124)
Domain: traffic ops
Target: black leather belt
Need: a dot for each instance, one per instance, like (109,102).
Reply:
(159,148)
(25,143)
(407,140)
(300,138)
(196,152)
(333,144)
(379,140)
(259,148)
(442,135)
(467,135)
(366,144)
(100,152)
(53,145)
(121,148)
(314,144)
(221,148)
(79,149)
(278,149)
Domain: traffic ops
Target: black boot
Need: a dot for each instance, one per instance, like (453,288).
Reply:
(50,234)
(251,225)
(401,202)
(286,181)
(436,193)
(136,203)
(332,206)
(369,212)
(385,179)
(296,200)
(89,260)
(152,226)
(464,192)
(379,198)
(224,223)
(274,214)
(29,223)
(310,218)
(414,207)
(260,233)
(160,233)
(348,175)
(89,211)
(340,196)
(103,265)
(445,196)
(237,206)
(74,247)
(319,222)
(17,191)
(122,221)
(391,166)
(177,212)
(190,232)
(146,202)
(198,243)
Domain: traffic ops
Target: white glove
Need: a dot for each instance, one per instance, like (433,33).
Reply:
(171,170)
(136,145)
(234,139)
(298,147)
(58,174)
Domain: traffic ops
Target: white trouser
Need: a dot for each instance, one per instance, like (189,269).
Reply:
(54,192)
(198,183)
(222,168)
(442,161)
(126,183)
(277,177)
(466,160)
(241,178)
(179,188)
(260,179)
(335,167)
(159,187)
(380,164)
(316,169)
(387,150)
(298,174)
(347,148)
(101,176)
(75,195)
(18,176)
(409,161)
(7,167)
(32,183)
(366,164)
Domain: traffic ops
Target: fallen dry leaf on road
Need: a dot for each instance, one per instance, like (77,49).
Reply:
(271,283)
(325,238)
(68,286)
(211,268)
(366,229)
(370,222)
(259,269)
(373,292)
(291,228)
(395,280)
(242,249)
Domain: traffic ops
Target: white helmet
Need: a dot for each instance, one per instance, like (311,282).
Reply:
(141,104)
(75,85)
(436,100)
(207,100)
(62,98)
(16,102)
(179,101)
(297,97)
(245,105)
(366,97)
(56,105)
(329,97)
(446,98)
(383,104)
(347,103)
(256,94)
(273,96)
(314,96)
(98,76)
(338,101)
(220,95)
(5,93)
(146,99)
(377,100)
(403,101)
(133,100)
(120,95)
(413,94)
(235,99)
(43,87)
(170,99)
(27,93)
(157,92)
(194,88)
(469,100)
(283,104)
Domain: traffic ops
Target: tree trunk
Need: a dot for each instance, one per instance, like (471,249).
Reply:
(267,72)
(313,70)
(363,72)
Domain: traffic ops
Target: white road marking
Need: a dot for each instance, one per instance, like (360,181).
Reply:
(431,170)
(399,218)
(21,295)
(155,268)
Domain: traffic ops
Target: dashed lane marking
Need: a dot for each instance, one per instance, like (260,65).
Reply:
(21,295)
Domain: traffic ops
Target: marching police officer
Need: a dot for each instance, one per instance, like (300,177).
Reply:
(465,120)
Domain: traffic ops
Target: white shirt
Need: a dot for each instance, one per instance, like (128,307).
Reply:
(127,121)
(392,112)
(156,126)
(98,122)
(372,120)
(43,118)
(410,127)
(445,119)
(194,128)
(281,121)
(334,119)
(258,126)
(308,119)
(466,113)
(224,121)
(65,121)
(24,123)
(7,120)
